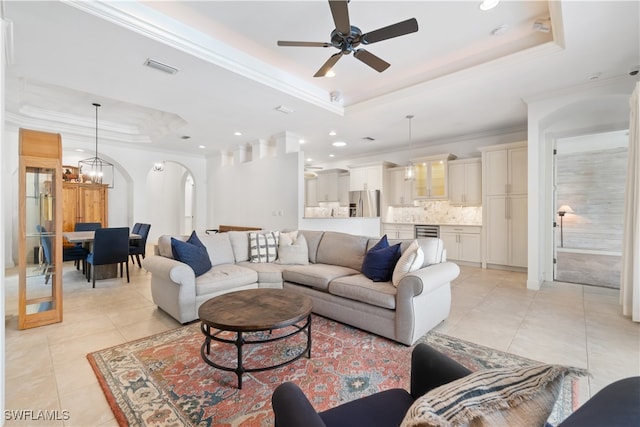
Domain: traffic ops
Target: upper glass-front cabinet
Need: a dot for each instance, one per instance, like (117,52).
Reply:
(431,177)
(40,220)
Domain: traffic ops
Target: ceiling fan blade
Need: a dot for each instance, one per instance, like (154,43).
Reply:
(328,65)
(394,30)
(340,13)
(303,44)
(371,60)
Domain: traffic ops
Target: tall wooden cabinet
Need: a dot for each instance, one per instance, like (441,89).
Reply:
(84,202)
(40,229)
(504,181)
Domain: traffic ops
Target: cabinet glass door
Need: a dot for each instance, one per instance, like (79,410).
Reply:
(438,181)
(40,225)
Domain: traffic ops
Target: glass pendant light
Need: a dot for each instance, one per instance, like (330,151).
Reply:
(409,170)
(97,170)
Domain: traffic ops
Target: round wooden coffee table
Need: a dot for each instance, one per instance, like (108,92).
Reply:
(254,310)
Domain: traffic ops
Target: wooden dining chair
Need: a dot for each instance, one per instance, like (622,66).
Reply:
(110,246)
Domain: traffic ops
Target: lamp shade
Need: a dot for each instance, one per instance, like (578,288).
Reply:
(565,209)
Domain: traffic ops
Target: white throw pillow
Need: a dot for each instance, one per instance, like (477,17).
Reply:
(410,260)
(288,237)
(295,253)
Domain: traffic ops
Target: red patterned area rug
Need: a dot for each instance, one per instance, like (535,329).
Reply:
(162,380)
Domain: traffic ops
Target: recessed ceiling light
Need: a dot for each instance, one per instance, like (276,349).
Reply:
(301,141)
(332,155)
(237,133)
(488,4)
(339,144)
(309,159)
(330,73)
(332,133)
(80,150)
(201,146)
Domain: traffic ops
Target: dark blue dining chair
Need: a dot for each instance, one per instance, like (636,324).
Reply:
(79,252)
(138,247)
(72,253)
(110,246)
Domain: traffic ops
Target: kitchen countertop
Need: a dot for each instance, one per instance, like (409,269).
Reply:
(432,223)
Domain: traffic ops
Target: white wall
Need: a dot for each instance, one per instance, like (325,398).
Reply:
(2,219)
(598,107)
(265,192)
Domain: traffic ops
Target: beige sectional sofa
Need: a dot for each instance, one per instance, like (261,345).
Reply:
(332,279)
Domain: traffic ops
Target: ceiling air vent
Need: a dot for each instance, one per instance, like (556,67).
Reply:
(160,66)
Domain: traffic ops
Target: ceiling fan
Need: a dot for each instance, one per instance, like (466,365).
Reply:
(347,38)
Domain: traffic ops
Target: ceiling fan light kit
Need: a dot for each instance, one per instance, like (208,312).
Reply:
(347,38)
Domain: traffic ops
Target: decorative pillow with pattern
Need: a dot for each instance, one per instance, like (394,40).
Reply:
(263,247)
(513,396)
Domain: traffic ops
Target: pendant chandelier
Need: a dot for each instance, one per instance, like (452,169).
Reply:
(409,170)
(94,169)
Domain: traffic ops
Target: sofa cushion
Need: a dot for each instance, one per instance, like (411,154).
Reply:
(240,244)
(263,247)
(342,249)
(164,245)
(219,247)
(411,260)
(380,260)
(316,275)
(360,288)
(268,272)
(313,240)
(291,252)
(224,277)
(191,254)
(513,396)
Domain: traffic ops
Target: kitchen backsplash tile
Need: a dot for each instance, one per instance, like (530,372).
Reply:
(436,212)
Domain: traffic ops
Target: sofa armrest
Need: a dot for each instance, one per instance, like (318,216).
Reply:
(176,271)
(427,279)
(431,369)
(292,408)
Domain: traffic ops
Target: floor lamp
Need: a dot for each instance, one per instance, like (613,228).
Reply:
(561,212)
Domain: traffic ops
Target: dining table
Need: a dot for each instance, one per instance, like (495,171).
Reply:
(106,271)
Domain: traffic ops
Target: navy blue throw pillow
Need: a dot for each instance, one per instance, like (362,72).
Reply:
(193,255)
(380,261)
(195,240)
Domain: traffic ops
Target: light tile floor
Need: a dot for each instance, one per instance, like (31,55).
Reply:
(563,323)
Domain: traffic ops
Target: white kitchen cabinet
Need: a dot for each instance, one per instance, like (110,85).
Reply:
(462,242)
(327,187)
(400,191)
(431,177)
(343,189)
(310,192)
(365,178)
(465,182)
(398,231)
(505,204)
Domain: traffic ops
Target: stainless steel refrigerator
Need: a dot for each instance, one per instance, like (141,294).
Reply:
(364,203)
